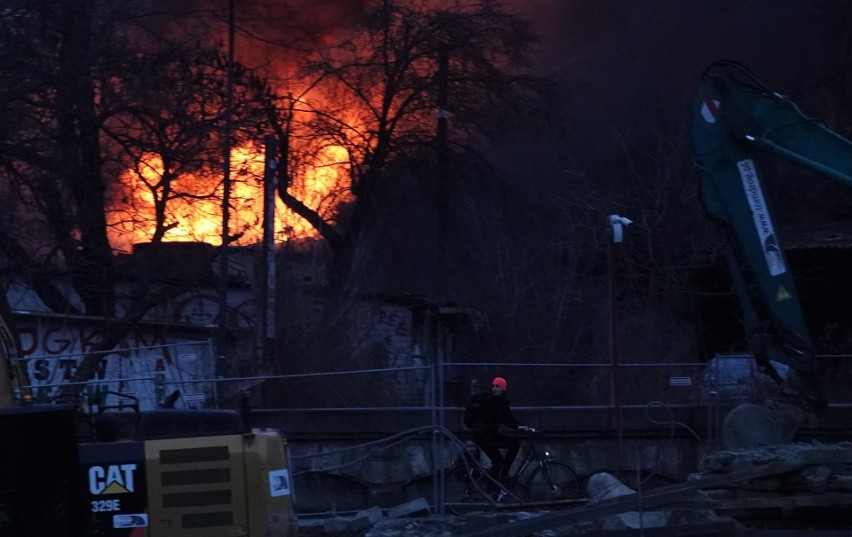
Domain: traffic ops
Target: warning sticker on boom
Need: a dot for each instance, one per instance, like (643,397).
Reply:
(762,221)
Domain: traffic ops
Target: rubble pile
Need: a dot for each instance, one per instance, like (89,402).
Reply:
(815,468)
(809,478)
(738,490)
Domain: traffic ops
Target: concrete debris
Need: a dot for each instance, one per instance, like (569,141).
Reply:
(750,425)
(821,468)
(335,525)
(364,519)
(806,453)
(425,525)
(433,526)
(396,522)
(420,505)
(817,478)
(603,486)
(739,485)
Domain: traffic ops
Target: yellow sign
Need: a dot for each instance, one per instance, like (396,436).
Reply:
(783,294)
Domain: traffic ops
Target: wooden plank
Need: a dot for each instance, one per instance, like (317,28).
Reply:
(782,502)
(725,528)
(840,454)
(798,533)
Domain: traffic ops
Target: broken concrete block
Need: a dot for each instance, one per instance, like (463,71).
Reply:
(635,520)
(335,525)
(364,519)
(603,486)
(750,425)
(419,505)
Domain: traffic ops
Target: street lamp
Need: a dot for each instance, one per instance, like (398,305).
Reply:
(617,222)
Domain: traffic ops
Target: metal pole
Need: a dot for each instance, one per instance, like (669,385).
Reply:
(615,388)
(443,174)
(617,222)
(437,474)
(215,377)
(222,320)
(268,291)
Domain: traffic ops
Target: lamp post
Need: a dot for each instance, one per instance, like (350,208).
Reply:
(222,318)
(617,222)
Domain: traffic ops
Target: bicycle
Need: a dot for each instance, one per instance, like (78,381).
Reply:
(550,481)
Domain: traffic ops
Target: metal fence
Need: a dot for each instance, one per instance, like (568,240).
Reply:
(152,373)
(725,379)
(529,385)
(435,388)
(148,374)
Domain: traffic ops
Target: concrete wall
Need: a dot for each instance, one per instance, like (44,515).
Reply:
(387,456)
(350,460)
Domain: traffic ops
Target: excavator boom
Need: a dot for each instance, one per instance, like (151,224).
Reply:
(736,117)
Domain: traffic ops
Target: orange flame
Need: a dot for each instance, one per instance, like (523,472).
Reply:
(193,210)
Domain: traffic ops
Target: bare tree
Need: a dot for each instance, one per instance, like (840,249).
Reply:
(381,94)
(96,99)
(410,93)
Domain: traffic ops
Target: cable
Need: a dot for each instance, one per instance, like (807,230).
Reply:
(396,439)
(755,85)
(385,443)
(670,441)
(658,459)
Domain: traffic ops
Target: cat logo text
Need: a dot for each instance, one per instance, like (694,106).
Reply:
(113,479)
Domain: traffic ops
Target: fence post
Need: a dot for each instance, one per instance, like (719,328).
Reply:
(437,442)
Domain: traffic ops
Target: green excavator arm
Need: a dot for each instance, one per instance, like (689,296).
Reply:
(736,116)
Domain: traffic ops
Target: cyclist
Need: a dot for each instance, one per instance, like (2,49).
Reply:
(485,414)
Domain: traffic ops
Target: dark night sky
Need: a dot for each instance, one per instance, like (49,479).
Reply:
(628,64)
(618,57)
(621,46)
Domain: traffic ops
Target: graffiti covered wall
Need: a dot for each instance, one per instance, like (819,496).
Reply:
(149,365)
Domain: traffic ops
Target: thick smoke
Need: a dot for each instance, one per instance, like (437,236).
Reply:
(269,34)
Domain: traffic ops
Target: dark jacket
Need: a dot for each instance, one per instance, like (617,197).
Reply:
(493,412)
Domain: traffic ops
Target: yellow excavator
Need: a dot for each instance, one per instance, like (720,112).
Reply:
(69,472)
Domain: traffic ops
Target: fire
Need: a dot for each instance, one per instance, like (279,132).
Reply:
(193,210)
(321,178)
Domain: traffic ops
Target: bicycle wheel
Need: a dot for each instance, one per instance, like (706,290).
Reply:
(552,482)
(465,489)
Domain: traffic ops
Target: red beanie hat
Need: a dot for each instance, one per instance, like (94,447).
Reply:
(499,381)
